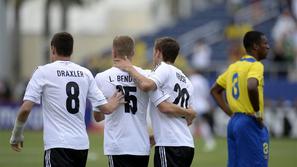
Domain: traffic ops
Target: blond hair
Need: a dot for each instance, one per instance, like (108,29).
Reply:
(123,46)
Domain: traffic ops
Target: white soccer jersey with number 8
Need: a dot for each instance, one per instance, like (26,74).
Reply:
(63,87)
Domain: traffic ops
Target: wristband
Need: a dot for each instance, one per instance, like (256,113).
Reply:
(17,132)
(258,114)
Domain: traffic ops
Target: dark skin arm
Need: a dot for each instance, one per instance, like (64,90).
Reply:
(217,93)
(254,96)
(253,93)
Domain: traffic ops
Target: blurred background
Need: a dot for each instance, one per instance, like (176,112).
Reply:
(209,32)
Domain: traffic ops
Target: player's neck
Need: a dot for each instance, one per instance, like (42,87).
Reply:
(62,58)
(253,55)
(168,62)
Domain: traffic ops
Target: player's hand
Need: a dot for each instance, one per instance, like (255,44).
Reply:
(113,102)
(117,98)
(260,121)
(189,122)
(152,140)
(191,115)
(123,64)
(259,117)
(16,143)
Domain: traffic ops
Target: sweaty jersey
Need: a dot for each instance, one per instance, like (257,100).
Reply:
(63,88)
(170,130)
(125,130)
(234,80)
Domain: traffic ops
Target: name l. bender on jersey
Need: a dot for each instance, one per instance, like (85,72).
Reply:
(124,78)
(65,73)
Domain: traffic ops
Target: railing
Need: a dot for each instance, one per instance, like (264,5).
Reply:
(212,31)
(258,12)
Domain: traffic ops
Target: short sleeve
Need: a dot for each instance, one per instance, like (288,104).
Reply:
(157,96)
(222,79)
(97,80)
(191,92)
(160,75)
(256,71)
(95,95)
(34,88)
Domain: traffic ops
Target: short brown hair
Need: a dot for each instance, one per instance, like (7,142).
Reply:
(63,42)
(168,47)
(123,46)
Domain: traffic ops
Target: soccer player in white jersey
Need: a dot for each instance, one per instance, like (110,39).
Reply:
(126,138)
(174,141)
(62,87)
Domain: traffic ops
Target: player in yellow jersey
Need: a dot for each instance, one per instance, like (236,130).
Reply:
(243,81)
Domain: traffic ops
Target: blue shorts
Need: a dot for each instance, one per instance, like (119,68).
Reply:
(248,142)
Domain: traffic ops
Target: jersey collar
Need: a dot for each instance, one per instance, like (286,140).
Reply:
(248,58)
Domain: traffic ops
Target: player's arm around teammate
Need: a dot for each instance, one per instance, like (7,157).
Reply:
(147,84)
(108,108)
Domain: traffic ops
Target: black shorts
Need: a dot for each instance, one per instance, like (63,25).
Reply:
(166,156)
(65,157)
(128,160)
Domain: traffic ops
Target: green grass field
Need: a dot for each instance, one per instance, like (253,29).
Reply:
(283,152)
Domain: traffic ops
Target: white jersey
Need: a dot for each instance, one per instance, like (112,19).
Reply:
(63,87)
(125,130)
(170,130)
(201,96)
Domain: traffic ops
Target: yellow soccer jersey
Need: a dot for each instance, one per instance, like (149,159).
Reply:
(234,80)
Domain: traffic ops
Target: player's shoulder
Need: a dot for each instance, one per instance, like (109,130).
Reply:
(177,70)
(257,67)
(41,68)
(163,68)
(189,85)
(259,64)
(83,69)
(159,66)
(142,71)
(108,72)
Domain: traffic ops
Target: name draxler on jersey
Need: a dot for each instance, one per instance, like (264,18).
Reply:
(65,73)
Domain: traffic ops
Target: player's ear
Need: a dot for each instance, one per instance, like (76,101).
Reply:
(133,53)
(53,50)
(255,46)
(113,53)
(158,53)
